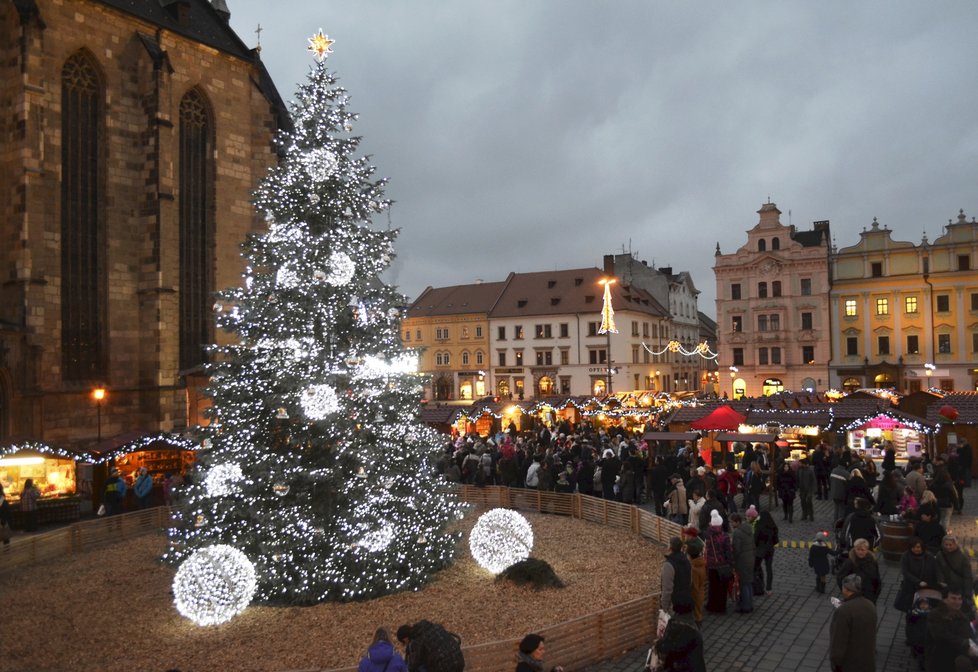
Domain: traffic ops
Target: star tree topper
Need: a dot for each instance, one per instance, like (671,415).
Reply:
(320,45)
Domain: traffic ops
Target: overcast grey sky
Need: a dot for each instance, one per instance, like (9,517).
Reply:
(528,135)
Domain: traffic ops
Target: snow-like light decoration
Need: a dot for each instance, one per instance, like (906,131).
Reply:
(377,367)
(222,480)
(500,538)
(341,269)
(378,540)
(320,163)
(287,277)
(319,402)
(701,349)
(214,585)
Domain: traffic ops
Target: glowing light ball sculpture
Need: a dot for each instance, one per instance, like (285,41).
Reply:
(500,538)
(214,585)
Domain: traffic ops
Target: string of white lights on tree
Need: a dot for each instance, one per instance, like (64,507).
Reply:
(316,465)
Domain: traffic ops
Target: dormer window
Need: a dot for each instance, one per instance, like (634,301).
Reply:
(589,299)
(551,283)
(578,281)
(521,303)
(554,301)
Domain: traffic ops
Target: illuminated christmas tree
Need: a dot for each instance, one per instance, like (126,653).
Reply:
(316,465)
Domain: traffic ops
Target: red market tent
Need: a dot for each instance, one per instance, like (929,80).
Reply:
(722,417)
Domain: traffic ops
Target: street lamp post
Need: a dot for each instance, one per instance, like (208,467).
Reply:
(98,394)
(733,375)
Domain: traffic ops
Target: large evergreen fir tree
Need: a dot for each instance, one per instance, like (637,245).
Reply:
(315,464)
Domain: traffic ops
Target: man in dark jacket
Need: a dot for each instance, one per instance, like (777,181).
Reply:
(954,570)
(860,524)
(948,634)
(838,486)
(852,634)
(806,489)
(677,580)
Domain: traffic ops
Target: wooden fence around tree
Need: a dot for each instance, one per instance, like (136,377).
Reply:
(575,644)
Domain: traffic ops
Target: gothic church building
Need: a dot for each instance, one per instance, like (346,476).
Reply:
(133,134)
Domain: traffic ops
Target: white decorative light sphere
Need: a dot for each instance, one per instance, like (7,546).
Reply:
(319,401)
(341,269)
(500,538)
(222,480)
(378,540)
(314,198)
(281,489)
(214,585)
(319,275)
(320,163)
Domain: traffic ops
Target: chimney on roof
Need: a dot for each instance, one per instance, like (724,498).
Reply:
(221,8)
(666,270)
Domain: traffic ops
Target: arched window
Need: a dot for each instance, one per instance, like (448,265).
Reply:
(82,302)
(465,359)
(438,359)
(196,229)
(775,244)
(762,290)
(480,358)
(808,384)
(448,358)
(851,384)
(761,245)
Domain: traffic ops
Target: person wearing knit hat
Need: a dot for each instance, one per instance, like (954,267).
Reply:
(715,519)
(751,513)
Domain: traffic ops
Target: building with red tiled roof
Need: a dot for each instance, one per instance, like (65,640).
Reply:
(450,327)
(546,340)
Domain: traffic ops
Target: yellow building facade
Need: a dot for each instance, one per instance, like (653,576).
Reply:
(905,316)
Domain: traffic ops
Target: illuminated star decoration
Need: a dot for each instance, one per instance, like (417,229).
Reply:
(320,45)
(607,313)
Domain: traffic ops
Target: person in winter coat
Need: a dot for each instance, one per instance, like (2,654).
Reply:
(918,570)
(695,505)
(754,484)
(533,473)
(766,537)
(28,504)
(930,532)
(888,496)
(678,505)
(728,483)
(852,633)
(712,502)
(115,493)
(943,490)
(818,560)
(743,561)
(680,649)
(820,465)
(855,489)
(677,580)
(863,564)
(659,483)
(381,656)
(948,635)
(697,561)
(787,487)
(860,524)
(838,485)
(719,553)
(806,488)
(954,570)
(143,488)
(610,467)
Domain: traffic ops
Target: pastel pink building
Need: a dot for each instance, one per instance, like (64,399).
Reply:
(773,326)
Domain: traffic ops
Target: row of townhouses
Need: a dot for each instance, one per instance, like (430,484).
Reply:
(794,312)
(538,334)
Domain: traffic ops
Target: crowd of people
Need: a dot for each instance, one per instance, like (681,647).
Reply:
(725,555)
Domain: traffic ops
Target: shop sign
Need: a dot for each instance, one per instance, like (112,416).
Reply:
(517,369)
(882,422)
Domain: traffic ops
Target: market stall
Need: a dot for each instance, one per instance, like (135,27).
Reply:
(909,434)
(53,471)
(161,454)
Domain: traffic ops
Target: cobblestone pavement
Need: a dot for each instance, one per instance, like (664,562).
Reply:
(789,629)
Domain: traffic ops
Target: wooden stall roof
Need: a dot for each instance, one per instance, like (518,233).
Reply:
(746,438)
(966,404)
(791,417)
(670,436)
(439,415)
